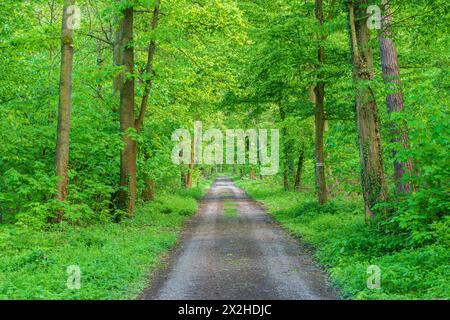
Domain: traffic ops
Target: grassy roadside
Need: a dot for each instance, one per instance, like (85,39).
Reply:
(346,245)
(115,259)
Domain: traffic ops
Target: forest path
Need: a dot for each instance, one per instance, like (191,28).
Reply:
(237,254)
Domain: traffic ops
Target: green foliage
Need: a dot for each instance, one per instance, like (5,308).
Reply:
(115,259)
(347,244)
(230,213)
(424,213)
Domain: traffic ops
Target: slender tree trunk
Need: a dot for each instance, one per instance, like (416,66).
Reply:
(372,175)
(252,173)
(183,179)
(148,68)
(117,55)
(65,93)
(51,55)
(99,63)
(191,166)
(292,167)
(150,189)
(127,193)
(319,118)
(318,145)
(183,174)
(298,174)
(286,149)
(394,100)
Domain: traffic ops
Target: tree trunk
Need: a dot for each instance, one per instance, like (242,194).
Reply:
(286,149)
(191,166)
(298,174)
(252,173)
(183,175)
(394,100)
(117,56)
(332,185)
(51,56)
(371,159)
(149,192)
(148,69)
(65,93)
(99,64)
(150,189)
(127,193)
(183,179)
(319,118)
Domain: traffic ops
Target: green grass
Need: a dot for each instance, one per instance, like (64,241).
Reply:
(229,209)
(228,203)
(346,245)
(115,259)
(230,213)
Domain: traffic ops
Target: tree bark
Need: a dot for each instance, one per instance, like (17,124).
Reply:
(127,193)
(371,159)
(65,93)
(51,56)
(189,177)
(252,173)
(286,149)
(99,63)
(394,100)
(117,56)
(148,69)
(319,118)
(298,174)
(150,189)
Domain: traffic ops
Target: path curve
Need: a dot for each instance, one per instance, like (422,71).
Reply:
(240,256)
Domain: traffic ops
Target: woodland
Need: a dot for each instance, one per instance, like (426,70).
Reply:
(91,92)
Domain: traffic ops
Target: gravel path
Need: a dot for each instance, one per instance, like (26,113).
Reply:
(237,254)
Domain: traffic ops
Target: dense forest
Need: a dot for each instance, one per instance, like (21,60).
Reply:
(92,91)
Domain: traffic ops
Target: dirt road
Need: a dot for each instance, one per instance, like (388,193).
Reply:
(233,250)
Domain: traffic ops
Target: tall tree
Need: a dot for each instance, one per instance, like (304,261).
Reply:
(127,192)
(370,152)
(128,172)
(394,100)
(319,118)
(150,183)
(65,93)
